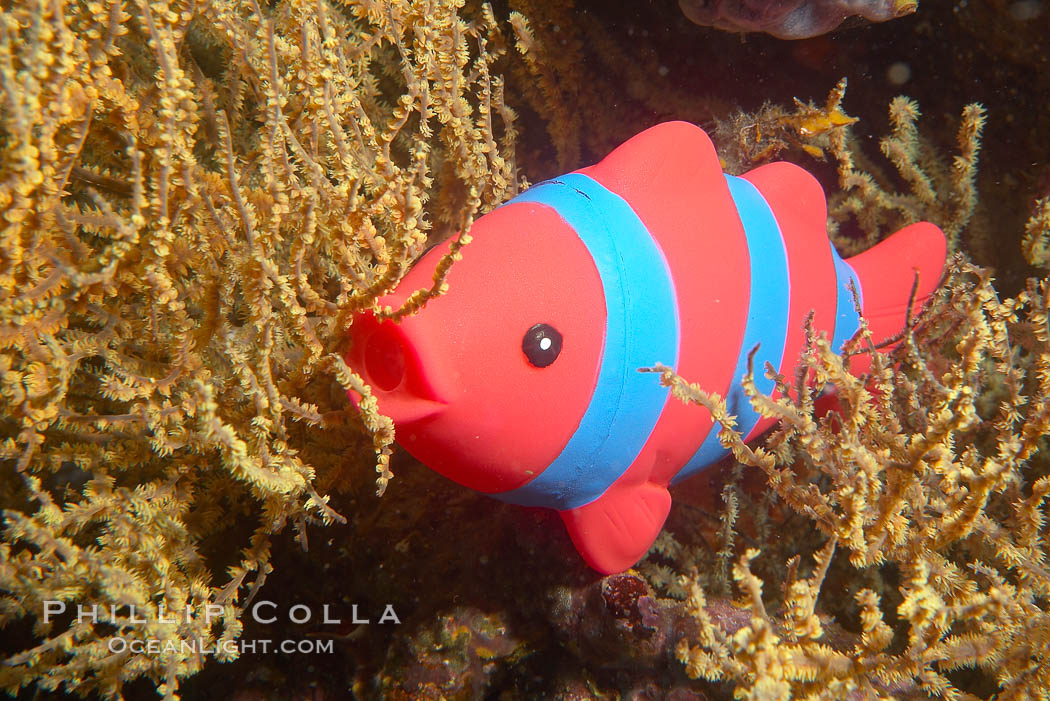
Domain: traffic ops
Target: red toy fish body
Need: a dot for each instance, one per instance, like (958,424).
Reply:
(522,381)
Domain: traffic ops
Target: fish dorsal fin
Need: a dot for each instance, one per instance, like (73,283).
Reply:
(614,531)
(662,162)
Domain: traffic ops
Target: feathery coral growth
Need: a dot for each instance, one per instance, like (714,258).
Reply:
(196,198)
(941,193)
(1036,242)
(928,477)
(564,46)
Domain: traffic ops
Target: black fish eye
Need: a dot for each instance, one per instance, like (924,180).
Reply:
(542,344)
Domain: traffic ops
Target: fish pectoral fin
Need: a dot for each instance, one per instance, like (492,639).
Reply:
(613,532)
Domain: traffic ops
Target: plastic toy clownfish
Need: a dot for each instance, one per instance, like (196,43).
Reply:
(522,381)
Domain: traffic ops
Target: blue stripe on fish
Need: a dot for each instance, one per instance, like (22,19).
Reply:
(767,317)
(642,329)
(847,320)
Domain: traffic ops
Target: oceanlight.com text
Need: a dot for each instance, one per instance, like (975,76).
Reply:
(199,646)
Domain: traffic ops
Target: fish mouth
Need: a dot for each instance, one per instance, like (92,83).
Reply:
(386,358)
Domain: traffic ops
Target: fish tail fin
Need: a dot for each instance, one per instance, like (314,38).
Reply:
(887,274)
